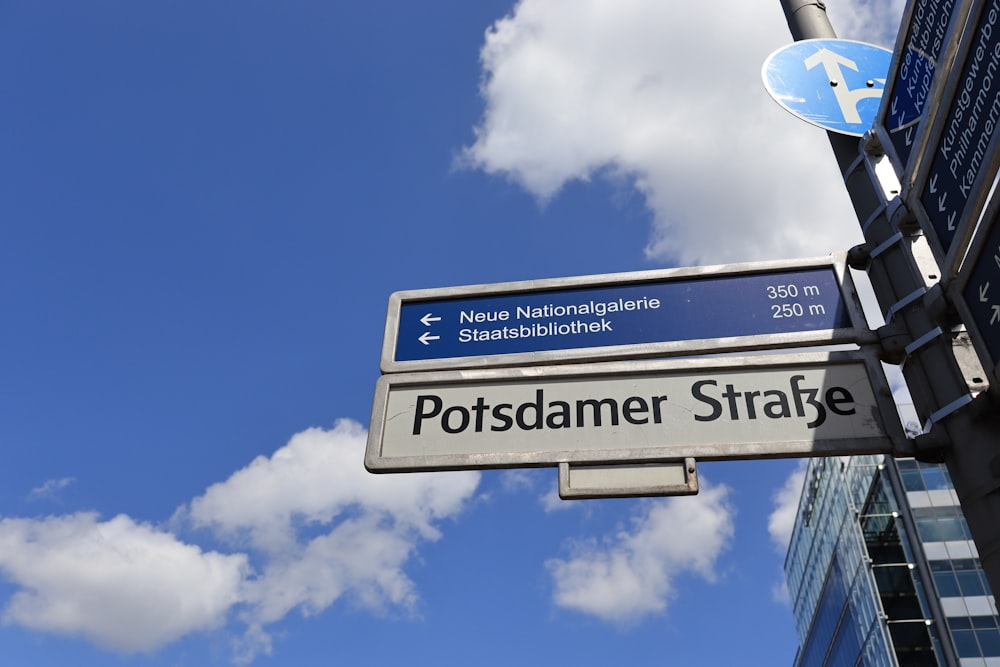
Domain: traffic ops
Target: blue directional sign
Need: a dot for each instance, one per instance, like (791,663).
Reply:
(623,315)
(962,165)
(919,57)
(836,84)
(980,292)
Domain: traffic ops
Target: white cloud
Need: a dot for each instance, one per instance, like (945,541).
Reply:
(518,480)
(327,527)
(319,527)
(552,502)
(786,506)
(123,585)
(781,594)
(50,489)
(872,21)
(360,558)
(314,478)
(630,575)
(670,96)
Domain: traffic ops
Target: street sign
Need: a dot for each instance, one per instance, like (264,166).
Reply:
(761,406)
(762,305)
(951,188)
(920,54)
(671,478)
(835,84)
(976,290)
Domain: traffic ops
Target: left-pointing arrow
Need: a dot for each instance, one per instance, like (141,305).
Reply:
(428,318)
(426,338)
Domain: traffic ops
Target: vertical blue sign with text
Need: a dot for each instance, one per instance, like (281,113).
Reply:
(961,154)
(919,60)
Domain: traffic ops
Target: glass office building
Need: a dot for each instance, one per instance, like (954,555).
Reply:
(882,571)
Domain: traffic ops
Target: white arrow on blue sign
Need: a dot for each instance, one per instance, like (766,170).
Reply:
(836,84)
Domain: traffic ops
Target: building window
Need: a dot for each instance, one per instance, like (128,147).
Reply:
(909,471)
(989,641)
(923,476)
(935,477)
(959,577)
(941,524)
(944,579)
(975,637)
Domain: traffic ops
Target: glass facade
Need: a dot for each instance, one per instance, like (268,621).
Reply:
(882,571)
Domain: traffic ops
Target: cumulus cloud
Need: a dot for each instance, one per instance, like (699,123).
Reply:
(313,479)
(786,505)
(630,575)
(124,585)
(308,525)
(668,96)
(325,527)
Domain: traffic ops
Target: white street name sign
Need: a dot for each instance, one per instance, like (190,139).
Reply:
(764,406)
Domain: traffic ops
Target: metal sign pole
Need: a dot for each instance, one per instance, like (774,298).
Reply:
(938,362)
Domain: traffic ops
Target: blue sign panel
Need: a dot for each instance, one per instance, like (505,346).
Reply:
(982,294)
(636,313)
(961,152)
(918,61)
(836,84)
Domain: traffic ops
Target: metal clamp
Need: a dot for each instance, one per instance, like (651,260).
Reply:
(892,339)
(896,210)
(853,167)
(879,210)
(904,302)
(885,245)
(923,340)
(940,414)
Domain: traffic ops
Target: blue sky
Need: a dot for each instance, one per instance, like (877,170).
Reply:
(204,207)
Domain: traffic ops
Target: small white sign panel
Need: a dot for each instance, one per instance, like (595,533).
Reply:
(752,407)
(631,480)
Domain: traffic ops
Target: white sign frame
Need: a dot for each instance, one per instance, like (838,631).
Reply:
(429,420)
